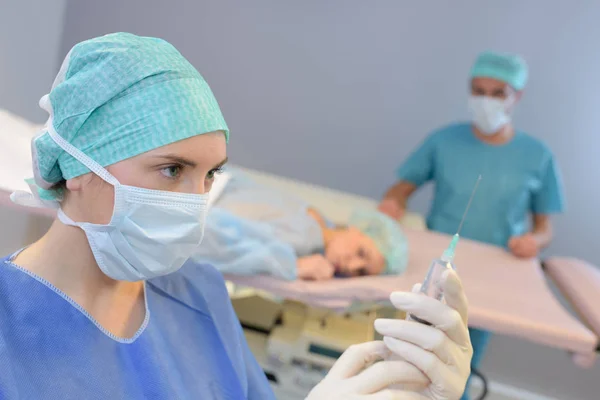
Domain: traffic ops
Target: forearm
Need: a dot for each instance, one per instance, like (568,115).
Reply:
(542,230)
(400,193)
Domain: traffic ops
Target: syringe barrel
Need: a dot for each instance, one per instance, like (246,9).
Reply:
(432,285)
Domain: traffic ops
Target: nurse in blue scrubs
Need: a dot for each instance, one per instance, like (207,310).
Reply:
(521,186)
(106,304)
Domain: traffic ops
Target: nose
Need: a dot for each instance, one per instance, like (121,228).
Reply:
(205,186)
(195,186)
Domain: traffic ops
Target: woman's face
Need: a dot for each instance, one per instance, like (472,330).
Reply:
(187,166)
(352,253)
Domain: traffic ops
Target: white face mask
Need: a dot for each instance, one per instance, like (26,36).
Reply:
(151,232)
(489,114)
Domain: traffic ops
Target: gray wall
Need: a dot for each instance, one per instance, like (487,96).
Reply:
(30,36)
(338,92)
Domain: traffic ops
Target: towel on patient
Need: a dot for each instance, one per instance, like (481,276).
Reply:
(253,229)
(240,246)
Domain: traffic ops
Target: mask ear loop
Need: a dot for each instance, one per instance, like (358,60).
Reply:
(85,160)
(81,157)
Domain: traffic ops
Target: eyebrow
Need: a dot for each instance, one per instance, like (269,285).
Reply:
(177,159)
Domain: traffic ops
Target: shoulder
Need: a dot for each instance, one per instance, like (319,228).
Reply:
(6,259)
(10,276)
(4,270)
(534,146)
(202,288)
(532,142)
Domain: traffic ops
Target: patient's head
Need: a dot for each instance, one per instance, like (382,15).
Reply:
(353,253)
(371,244)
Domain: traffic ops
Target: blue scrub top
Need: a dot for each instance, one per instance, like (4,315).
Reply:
(191,345)
(519,178)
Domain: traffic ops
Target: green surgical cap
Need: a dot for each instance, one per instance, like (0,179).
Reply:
(118,96)
(508,68)
(386,234)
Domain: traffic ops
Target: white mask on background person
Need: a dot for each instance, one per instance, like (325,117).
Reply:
(489,113)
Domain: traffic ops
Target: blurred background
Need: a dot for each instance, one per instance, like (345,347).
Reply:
(339,92)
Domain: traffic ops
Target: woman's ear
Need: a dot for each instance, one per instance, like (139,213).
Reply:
(89,182)
(76,184)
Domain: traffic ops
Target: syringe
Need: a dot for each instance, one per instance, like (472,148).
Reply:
(432,284)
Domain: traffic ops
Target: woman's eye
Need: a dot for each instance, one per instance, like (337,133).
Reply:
(212,173)
(172,171)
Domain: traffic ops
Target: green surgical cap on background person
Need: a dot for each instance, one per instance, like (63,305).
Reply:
(508,68)
(386,234)
(118,96)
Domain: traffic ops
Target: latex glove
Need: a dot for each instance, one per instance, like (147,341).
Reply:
(525,246)
(427,362)
(355,377)
(391,208)
(442,351)
(315,268)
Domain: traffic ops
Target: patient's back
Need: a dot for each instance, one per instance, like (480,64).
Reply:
(286,214)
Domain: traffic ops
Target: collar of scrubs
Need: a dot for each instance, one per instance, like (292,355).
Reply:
(81,309)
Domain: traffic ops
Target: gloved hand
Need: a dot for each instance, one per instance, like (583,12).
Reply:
(525,246)
(356,376)
(427,362)
(441,351)
(314,268)
(391,208)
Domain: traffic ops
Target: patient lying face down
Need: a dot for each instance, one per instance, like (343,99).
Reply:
(253,229)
